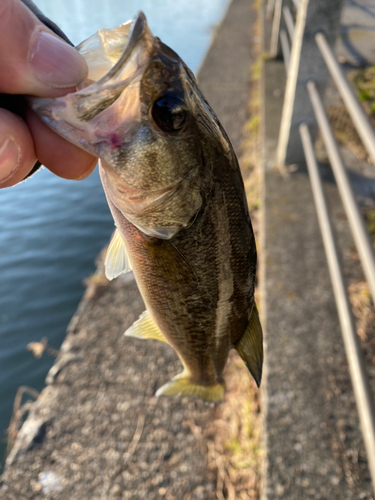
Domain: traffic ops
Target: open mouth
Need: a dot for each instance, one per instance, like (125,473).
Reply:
(116,59)
(110,52)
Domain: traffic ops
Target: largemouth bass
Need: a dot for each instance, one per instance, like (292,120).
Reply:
(175,190)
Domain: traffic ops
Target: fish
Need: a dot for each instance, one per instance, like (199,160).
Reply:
(176,194)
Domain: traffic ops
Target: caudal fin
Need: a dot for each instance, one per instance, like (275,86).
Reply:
(182,386)
(250,346)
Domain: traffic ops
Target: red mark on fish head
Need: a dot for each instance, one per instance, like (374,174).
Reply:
(115,140)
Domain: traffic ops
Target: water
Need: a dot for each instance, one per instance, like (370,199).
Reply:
(52,229)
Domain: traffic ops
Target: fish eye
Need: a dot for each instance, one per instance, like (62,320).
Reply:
(169,113)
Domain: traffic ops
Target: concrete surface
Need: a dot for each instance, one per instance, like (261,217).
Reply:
(97,431)
(313,444)
(357,44)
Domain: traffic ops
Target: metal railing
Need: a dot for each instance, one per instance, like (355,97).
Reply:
(293,41)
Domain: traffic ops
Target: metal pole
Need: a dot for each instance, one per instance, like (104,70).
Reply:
(354,354)
(360,120)
(360,234)
(285,48)
(289,22)
(269,9)
(274,45)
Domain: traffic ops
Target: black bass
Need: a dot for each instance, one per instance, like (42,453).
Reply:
(175,190)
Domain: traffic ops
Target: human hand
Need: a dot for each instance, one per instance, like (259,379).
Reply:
(34,61)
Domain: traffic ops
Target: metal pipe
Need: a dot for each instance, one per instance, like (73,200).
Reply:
(354,354)
(274,44)
(360,120)
(289,22)
(270,9)
(285,48)
(360,234)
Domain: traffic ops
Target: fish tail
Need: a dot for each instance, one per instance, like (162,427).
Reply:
(250,346)
(181,385)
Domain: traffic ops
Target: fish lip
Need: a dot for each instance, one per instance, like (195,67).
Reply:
(137,30)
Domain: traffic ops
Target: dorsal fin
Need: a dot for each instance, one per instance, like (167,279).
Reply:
(250,346)
(145,328)
(117,259)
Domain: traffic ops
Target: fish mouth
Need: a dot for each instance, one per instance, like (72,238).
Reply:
(100,116)
(107,51)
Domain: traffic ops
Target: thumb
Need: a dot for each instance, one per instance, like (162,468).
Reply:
(33,59)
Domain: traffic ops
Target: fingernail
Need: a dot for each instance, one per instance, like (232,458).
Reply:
(87,172)
(55,62)
(10,158)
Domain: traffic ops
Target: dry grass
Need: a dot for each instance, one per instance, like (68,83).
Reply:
(39,348)
(345,132)
(234,446)
(19,414)
(20,410)
(250,159)
(363,310)
(364,314)
(363,83)
(362,305)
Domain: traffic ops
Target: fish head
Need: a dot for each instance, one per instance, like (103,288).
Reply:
(140,112)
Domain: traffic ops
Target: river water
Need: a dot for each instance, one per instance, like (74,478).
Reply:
(52,229)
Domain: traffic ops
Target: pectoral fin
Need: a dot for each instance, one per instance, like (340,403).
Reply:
(145,328)
(182,386)
(117,259)
(250,346)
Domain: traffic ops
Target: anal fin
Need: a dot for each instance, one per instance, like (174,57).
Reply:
(182,386)
(250,346)
(117,259)
(145,328)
